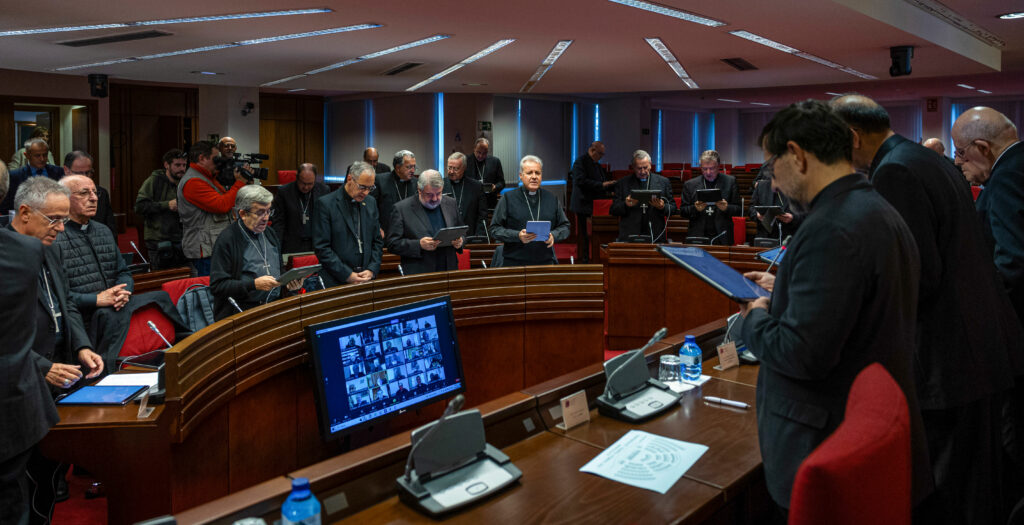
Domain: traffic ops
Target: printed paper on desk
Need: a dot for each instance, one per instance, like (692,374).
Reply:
(645,460)
(574,410)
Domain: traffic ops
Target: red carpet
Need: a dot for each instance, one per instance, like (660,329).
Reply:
(77,510)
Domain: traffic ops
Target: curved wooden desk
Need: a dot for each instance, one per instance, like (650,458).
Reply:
(240,406)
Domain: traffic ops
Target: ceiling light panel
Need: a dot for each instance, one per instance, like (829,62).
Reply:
(796,52)
(477,56)
(668,11)
(666,54)
(367,56)
(215,47)
(545,65)
(167,21)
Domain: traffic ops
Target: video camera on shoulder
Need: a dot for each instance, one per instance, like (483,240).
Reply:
(227,166)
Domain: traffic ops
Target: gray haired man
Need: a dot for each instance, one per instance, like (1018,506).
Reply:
(395,186)
(415,222)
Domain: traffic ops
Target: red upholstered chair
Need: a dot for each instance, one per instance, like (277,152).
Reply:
(618,174)
(464,260)
(679,202)
(975,190)
(177,288)
(672,166)
(140,338)
(285,176)
(671,174)
(861,473)
(602,207)
(125,239)
(299,261)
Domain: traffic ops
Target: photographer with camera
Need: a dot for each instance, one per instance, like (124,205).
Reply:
(204,205)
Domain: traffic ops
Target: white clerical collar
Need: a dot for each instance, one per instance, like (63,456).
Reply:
(532,192)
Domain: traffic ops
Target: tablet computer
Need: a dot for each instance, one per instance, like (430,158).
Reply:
(719,275)
(770,255)
(768,214)
(447,235)
(103,395)
(644,196)
(709,195)
(298,273)
(539,228)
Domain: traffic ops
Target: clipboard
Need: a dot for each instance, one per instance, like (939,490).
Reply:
(447,235)
(539,228)
(298,273)
(708,195)
(719,275)
(644,196)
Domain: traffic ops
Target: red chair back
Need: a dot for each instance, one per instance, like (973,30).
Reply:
(671,174)
(177,288)
(679,202)
(739,231)
(672,166)
(125,239)
(975,191)
(286,176)
(464,260)
(299,261)
(140,338)
(602,207)
(861,473)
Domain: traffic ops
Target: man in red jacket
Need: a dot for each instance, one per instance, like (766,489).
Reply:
(204,205)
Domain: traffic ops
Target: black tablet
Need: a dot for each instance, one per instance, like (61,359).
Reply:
(644,196)
(719,275)
(709,195)
(103,395)
(447,235)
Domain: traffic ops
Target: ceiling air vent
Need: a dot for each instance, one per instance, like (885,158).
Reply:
(401,68)
(111,39)
(739,63)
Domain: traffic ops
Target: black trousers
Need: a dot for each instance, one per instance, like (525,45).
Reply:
(14,489)
(43,476)
(582,238)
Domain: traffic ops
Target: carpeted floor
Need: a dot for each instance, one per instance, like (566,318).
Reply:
(77,510)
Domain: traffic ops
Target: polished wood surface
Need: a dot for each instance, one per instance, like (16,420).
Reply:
(152,281)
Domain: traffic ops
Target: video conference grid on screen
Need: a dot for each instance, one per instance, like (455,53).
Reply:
(386,363)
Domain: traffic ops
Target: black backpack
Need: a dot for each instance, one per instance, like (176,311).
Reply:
(196,307)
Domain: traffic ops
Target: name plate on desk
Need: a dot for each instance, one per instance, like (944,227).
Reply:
(574,410)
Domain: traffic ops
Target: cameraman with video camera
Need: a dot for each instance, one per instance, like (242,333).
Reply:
(204,203)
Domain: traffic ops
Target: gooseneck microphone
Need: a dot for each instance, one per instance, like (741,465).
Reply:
(233,303)
(453,406)
(715,238)
(487,233)
(156,330)
(138,252)
(658,336)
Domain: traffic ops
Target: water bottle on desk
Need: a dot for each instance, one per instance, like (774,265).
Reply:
(690,355)
(301,507)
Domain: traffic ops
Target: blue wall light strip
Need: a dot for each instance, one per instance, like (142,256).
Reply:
(711,133)
(519,132)
(439,132)
(597,122)
(575,145)
(695,143)
(954,114)
(658,143)
(368,116)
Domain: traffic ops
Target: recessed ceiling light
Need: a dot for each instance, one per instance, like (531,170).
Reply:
(546,64)
(796,52)
(668,11)
(965,86)
(296,90)
(474,84)
(167,21)
(351,61)
(670,59)
(985,91)
(1012,16)
(727,100)
(215,47)
(206,73)
(477,56)
(833,94)
(760,104)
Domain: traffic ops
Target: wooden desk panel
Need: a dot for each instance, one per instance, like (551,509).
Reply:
(152,281)
(403,290)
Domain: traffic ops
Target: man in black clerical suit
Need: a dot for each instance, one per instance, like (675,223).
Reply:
(845,297)
(486,169)
(712,220)
(60,337)
(588,183)
(346,230)
(293,210)
(468,194)
(764,194)
(528,203)
(26,409)
(370,157)
(957,299)
(635,217)
(414,222)
(393,186)
(37,153)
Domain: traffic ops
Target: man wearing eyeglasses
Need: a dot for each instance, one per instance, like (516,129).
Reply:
(36,156)
(414,222)
(395,186)
(63,353)
(346,230)
(246,258)
(80,163)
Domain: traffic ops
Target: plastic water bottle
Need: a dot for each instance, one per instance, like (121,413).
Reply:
(690,355)
(301,507)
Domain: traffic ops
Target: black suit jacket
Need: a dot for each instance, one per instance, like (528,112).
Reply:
(1001,207)
(587,179)
(295,237)
(104,211)
(409,223)
(764,195)
(722,220)
(21,175)
(962,347)
(26,409)
(487,172)
(632,220)
(75,337)
(471,202)
(390,189)
(335,241)
(845,296)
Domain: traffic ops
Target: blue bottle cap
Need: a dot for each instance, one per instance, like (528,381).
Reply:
(300,487)
(690,339)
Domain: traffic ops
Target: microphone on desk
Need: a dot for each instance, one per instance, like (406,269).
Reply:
(321,279)
(782,249)
(144,261)
(487,233)
(156,330)
(453,406)
(658,336)
(401,271)
(715,238)
(484,263)
(233,303)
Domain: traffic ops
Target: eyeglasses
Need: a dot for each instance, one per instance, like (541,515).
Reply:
(367,189)
(269,212)
(52,222)
(86,192)
(958,153)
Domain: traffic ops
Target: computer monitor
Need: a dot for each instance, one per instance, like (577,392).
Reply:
(374,366)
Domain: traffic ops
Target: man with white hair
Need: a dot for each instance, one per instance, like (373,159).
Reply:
(528,203)
(646,218)
(414,222)
(246,259)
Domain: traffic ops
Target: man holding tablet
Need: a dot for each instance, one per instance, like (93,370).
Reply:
(416,222)
(524,212)
(643,202)
(845,297)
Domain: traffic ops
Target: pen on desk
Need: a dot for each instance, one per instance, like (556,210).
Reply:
(726,402)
